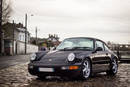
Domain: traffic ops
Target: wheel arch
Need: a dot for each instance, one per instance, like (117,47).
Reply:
(89,60)
(114,57)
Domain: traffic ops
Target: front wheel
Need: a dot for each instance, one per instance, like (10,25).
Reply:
(86,69)
(113,68)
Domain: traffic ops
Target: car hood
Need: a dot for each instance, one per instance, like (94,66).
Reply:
(58,57)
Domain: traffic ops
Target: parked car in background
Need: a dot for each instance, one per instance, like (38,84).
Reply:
(43,49)
(77,57)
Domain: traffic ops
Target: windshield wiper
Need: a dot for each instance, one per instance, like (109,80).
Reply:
(76,48)
(66,49)
(82,48)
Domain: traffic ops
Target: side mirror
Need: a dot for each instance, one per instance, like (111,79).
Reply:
(98,49)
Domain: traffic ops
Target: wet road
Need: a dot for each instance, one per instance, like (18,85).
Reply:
(18,76)
(7,61)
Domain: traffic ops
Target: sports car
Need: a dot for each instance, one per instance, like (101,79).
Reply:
(76,57)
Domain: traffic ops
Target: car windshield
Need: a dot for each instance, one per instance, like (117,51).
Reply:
(76,44)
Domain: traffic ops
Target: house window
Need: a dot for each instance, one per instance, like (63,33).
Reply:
(19,37)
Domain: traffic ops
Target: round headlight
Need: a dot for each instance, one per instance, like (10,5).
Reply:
(71,57)
(33,56)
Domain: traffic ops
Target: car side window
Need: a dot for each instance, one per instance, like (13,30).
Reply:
(99,44)
(106,47)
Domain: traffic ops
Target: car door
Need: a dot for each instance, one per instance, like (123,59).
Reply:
(100,58)
(108,54)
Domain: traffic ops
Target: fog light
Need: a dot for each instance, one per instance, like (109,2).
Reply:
(64,68)
(73,67)
(31,67)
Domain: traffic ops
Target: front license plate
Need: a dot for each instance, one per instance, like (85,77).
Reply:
(46,69)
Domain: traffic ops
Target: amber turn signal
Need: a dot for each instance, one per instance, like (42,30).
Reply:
(73,67)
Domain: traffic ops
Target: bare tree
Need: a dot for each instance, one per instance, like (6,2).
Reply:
(6,10)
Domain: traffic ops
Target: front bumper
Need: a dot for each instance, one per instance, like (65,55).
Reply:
(59,70)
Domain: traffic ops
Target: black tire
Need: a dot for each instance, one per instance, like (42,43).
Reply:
(113,67)
(86,70)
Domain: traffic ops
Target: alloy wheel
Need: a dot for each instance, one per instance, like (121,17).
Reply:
(86,69)
(115,66)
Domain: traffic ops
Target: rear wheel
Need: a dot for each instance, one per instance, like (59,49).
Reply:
(86,69)
(113,68)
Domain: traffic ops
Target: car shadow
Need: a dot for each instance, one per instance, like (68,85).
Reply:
(58,79)
(97,80)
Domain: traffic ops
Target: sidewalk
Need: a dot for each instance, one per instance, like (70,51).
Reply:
(7,61)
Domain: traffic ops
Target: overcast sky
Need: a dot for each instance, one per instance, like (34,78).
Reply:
(108,20)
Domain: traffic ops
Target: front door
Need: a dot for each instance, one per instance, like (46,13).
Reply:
(100,59)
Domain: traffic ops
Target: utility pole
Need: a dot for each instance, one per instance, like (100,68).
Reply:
(36,35)
(25,33)
(13,38)
(1,39)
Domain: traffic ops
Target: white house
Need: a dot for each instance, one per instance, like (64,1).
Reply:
(20,35)
(14,40)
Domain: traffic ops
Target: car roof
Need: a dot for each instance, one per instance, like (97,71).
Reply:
(83,37)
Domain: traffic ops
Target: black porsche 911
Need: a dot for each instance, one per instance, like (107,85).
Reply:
(77,57)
